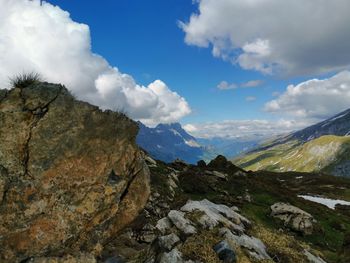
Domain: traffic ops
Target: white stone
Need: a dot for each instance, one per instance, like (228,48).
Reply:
(293,217)
(215,214)
(181,223)
(255,245)
(174,256)
(163,225)
(169,241)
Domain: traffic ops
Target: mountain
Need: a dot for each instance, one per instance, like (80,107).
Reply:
(323,147)
(338,125)
(168,142)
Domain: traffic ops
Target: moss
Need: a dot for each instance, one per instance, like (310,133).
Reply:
(200,247)
(195,215)
(280,246)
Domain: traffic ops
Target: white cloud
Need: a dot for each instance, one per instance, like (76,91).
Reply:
(43,38)
(243,128)
(224,85)
(293,36)
(250,98)
(252,83)
(314,99)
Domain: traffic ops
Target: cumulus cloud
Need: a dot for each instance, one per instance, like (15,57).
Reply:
(293,36)
(314,99)
(44,39)
(224,85)
(243,128)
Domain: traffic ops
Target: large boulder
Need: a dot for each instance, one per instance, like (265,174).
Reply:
(71,175)
(293,217)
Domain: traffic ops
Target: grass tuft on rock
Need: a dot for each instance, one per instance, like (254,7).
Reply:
(24,80)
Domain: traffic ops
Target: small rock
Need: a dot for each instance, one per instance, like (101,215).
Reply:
(147,234)
(181,223)
(174,256)
(293,217)
(169,241)
(147,237)
(115,259)
(247,197)
(240,173)
(172,184)
(225,252)
(174,176)
(151,161)
(217,174)
(164,224)
(312,258)
(201,164)
(213,214)
(179,161)
(254,244)
(235,208)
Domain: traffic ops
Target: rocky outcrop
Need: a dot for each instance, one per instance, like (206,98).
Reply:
(206,215)
(293,217)
(71,175)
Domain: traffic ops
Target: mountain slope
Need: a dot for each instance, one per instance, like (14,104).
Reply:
(337,125)
(324,147)
(168,142)
(187,217)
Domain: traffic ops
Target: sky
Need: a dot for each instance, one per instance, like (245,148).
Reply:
(219,67)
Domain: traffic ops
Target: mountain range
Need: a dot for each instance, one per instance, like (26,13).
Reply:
(168,142)
(323,147)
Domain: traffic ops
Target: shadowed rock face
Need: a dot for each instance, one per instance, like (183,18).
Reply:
(71,176)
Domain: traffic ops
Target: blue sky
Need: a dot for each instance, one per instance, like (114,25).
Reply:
(231,41)
(145,41)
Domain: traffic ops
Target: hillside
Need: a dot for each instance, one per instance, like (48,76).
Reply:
(74,187)
(324,147)
(193,211)
(327,154)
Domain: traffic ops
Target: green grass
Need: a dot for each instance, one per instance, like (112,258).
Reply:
(321,154)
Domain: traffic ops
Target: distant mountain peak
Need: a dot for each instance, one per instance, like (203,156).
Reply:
(168,142)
